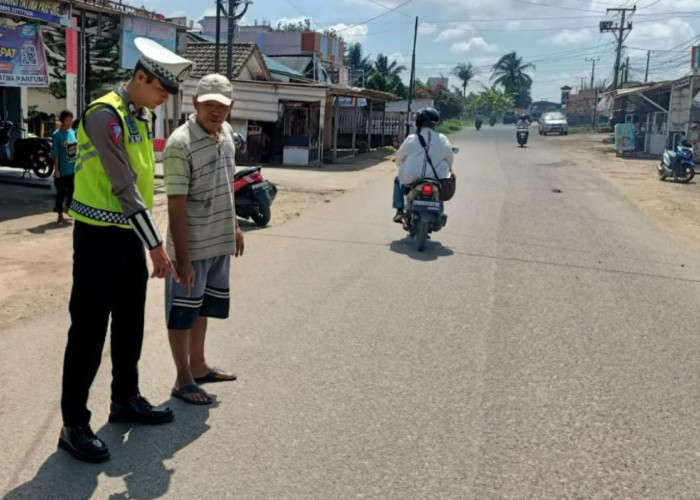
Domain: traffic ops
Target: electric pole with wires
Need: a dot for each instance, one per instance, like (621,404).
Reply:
(592,70)
(621,32)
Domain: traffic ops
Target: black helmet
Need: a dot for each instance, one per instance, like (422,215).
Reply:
(427,116)
(524,116)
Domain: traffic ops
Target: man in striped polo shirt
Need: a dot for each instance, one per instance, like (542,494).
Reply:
(198,164)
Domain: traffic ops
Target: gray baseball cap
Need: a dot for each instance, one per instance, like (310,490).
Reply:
(215,87)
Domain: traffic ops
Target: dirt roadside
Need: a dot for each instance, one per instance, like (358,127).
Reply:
(36,253)
(675,205)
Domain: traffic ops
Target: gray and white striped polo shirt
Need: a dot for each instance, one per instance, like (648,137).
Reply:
(198,165)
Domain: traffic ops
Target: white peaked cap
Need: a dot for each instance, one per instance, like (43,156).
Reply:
(168,67)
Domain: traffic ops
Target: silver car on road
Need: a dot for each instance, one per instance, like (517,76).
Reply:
(553,122)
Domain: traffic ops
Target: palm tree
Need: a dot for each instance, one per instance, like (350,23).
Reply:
(383,67)
(464,72)
(509,72)
(355,61)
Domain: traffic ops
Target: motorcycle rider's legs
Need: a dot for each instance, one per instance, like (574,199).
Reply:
(398,201)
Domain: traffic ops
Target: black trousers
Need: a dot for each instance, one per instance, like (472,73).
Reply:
(109,279)
(64,192)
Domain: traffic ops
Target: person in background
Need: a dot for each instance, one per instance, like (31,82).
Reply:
(65,149)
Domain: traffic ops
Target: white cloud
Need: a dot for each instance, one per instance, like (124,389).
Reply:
(400,58)
(476,43)
(571,37)
(427,28)
(457,31)
(662,35)
(351,34)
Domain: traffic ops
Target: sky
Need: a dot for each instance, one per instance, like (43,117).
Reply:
(557,36)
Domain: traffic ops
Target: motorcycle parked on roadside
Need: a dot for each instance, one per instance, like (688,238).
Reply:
(424,209)
(253,195)
(32,154)
(679,165)
(522,133)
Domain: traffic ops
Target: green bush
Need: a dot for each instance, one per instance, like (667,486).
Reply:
(451,125)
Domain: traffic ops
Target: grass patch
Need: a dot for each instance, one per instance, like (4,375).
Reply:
(450,126)
(581,129)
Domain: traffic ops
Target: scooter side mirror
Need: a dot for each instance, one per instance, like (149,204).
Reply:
(455,150)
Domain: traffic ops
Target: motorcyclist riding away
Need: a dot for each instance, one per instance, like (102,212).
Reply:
(523,120)
(411,157)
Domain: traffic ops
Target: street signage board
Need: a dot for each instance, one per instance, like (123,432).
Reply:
(48,11)
(133,27)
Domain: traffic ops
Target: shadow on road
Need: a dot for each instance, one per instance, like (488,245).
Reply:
(433,249)
(50,226)
(138,455)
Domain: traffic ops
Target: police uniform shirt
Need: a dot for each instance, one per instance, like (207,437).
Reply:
(102,130)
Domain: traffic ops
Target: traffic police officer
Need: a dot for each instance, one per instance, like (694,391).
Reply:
(112,208)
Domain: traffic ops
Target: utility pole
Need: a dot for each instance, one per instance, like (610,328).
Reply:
(621,32)
(219,9)
(627,70)
(646,73)
(231,16)
(412,78)
(593,70)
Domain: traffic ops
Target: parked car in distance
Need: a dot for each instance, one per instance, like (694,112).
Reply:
(508,117)
(553,122)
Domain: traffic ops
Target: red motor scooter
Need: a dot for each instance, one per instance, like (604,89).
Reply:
(253,195)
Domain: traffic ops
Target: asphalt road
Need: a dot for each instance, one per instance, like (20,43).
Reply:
(545,345)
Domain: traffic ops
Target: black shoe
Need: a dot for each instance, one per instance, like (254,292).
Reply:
(398,218)
(83,444)
(138,410)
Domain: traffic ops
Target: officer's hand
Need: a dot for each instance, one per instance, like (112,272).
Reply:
(56,173)
(240,244)
(186,273)
(162,265)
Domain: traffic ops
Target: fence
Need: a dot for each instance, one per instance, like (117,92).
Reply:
(390,124)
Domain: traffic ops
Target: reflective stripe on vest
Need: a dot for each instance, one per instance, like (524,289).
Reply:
(93,199)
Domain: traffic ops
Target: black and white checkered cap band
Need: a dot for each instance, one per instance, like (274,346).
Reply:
(162,73)
(99,214)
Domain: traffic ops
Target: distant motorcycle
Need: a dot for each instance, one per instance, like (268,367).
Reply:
(477,124)
(424,209)
(522,133)
(679,164)
(492,121)
(32,154)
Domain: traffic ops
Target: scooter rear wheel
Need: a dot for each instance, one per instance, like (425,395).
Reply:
(422,234)
(262,215)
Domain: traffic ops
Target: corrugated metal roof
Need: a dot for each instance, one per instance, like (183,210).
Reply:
(277,67)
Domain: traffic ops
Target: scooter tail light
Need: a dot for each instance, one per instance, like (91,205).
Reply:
(427,190)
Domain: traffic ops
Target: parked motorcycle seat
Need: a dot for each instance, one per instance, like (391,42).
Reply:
(245,171)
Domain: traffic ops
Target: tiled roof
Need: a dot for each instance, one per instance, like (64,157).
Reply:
(203,54)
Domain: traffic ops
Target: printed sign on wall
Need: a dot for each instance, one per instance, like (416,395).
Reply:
(22,57)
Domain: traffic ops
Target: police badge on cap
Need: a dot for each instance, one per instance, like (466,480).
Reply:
(168,67)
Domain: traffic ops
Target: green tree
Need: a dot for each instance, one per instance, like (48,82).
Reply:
(102,69)
(510,73)
(386,68)
(304,25)
(491,101)
(465,72)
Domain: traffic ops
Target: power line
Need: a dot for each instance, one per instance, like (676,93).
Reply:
(621,31)
(375,17)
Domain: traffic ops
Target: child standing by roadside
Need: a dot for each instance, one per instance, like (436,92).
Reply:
(65,148)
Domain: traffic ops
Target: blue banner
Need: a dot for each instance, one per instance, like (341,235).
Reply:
(49,11)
